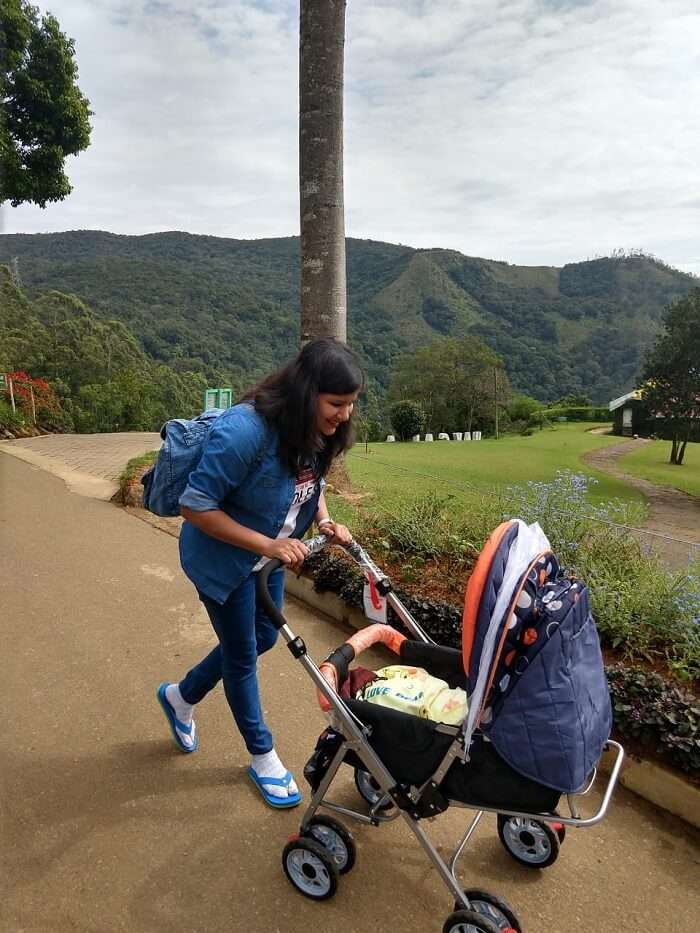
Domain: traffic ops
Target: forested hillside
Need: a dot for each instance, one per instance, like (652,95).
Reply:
(92,374)
(213,305)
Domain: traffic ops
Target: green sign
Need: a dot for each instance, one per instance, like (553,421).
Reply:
(218,398)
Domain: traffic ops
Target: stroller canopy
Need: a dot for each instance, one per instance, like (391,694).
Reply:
(532,659)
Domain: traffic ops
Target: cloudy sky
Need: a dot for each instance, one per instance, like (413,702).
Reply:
(535,131)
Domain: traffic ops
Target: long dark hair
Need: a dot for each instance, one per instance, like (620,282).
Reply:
(288,400)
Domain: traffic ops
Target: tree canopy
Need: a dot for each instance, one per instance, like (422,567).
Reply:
(672,372)
(457,383)
(45,116)
(407,419)
(101,377)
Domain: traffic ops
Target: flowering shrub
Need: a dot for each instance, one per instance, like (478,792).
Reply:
(641,607)
(45,401)
(563,510)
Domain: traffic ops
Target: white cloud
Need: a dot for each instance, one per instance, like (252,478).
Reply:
(536,131)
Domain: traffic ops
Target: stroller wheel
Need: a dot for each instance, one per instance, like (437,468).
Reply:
(369,790)
(335,839)
(469,921)
(530,842)
(494,908)
(310,868)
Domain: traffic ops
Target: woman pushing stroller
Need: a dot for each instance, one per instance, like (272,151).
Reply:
(256,490)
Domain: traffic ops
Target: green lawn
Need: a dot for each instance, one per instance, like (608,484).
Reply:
(651,463)
(467,469)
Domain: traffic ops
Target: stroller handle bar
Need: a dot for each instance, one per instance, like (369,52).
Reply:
(314,545)
(369,569)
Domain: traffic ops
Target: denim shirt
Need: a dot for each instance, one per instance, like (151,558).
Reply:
(240,472)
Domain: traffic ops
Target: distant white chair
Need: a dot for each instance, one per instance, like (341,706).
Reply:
(476,435)
(443,437)
(390,438)
(467,436)
(428,438)
(415,438)
(456,435)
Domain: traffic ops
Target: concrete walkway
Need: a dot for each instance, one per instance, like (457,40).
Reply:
(107,828)
(89,464)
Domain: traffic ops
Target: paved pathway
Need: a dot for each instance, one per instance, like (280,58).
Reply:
(672,512)
(106,828)
(90,464)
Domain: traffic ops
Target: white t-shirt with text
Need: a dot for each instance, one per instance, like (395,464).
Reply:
(303,491)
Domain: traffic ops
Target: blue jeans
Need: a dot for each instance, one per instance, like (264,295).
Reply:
(244,632)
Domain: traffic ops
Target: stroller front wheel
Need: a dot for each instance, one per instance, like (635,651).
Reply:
(530,842)
(469,921)
(335,839)
(493,908)
(310,868)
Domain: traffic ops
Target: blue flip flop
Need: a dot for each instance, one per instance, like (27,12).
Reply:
(175,723)
(293,800)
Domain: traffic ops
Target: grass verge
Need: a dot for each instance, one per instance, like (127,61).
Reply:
(471,470)
(133,471)
(651,463)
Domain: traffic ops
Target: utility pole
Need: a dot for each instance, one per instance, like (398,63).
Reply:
(495,398)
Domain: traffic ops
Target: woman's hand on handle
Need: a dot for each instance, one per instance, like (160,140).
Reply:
(291,551)
(339,534)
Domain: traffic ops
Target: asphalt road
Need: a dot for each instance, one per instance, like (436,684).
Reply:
(106,827)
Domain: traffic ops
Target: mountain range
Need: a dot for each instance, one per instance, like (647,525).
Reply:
(217,305)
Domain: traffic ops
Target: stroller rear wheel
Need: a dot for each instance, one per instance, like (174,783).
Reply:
(335,839)
(494,908)
(469,921)
(369,790)
(530,842)
(311,868)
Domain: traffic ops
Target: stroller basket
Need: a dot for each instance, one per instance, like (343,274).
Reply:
(496,760)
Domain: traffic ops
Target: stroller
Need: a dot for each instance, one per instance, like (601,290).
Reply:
(538,721)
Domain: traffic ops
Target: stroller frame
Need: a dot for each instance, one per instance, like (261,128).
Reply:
(355,739)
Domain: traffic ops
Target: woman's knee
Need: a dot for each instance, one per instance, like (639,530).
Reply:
(267,638)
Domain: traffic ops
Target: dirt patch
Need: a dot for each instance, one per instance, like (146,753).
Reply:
(672,512)
(339,483)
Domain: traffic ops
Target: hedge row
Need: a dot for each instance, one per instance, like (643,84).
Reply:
(646,708)
(572,413)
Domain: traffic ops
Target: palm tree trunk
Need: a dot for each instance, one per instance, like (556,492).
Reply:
(323,284)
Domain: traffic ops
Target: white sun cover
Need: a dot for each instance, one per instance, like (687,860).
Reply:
(530,542)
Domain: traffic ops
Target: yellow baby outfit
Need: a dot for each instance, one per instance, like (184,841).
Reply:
(413,690)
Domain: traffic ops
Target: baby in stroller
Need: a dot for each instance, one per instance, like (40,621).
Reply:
(537,720)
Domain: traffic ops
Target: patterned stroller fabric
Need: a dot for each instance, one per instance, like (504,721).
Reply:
(534,667)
